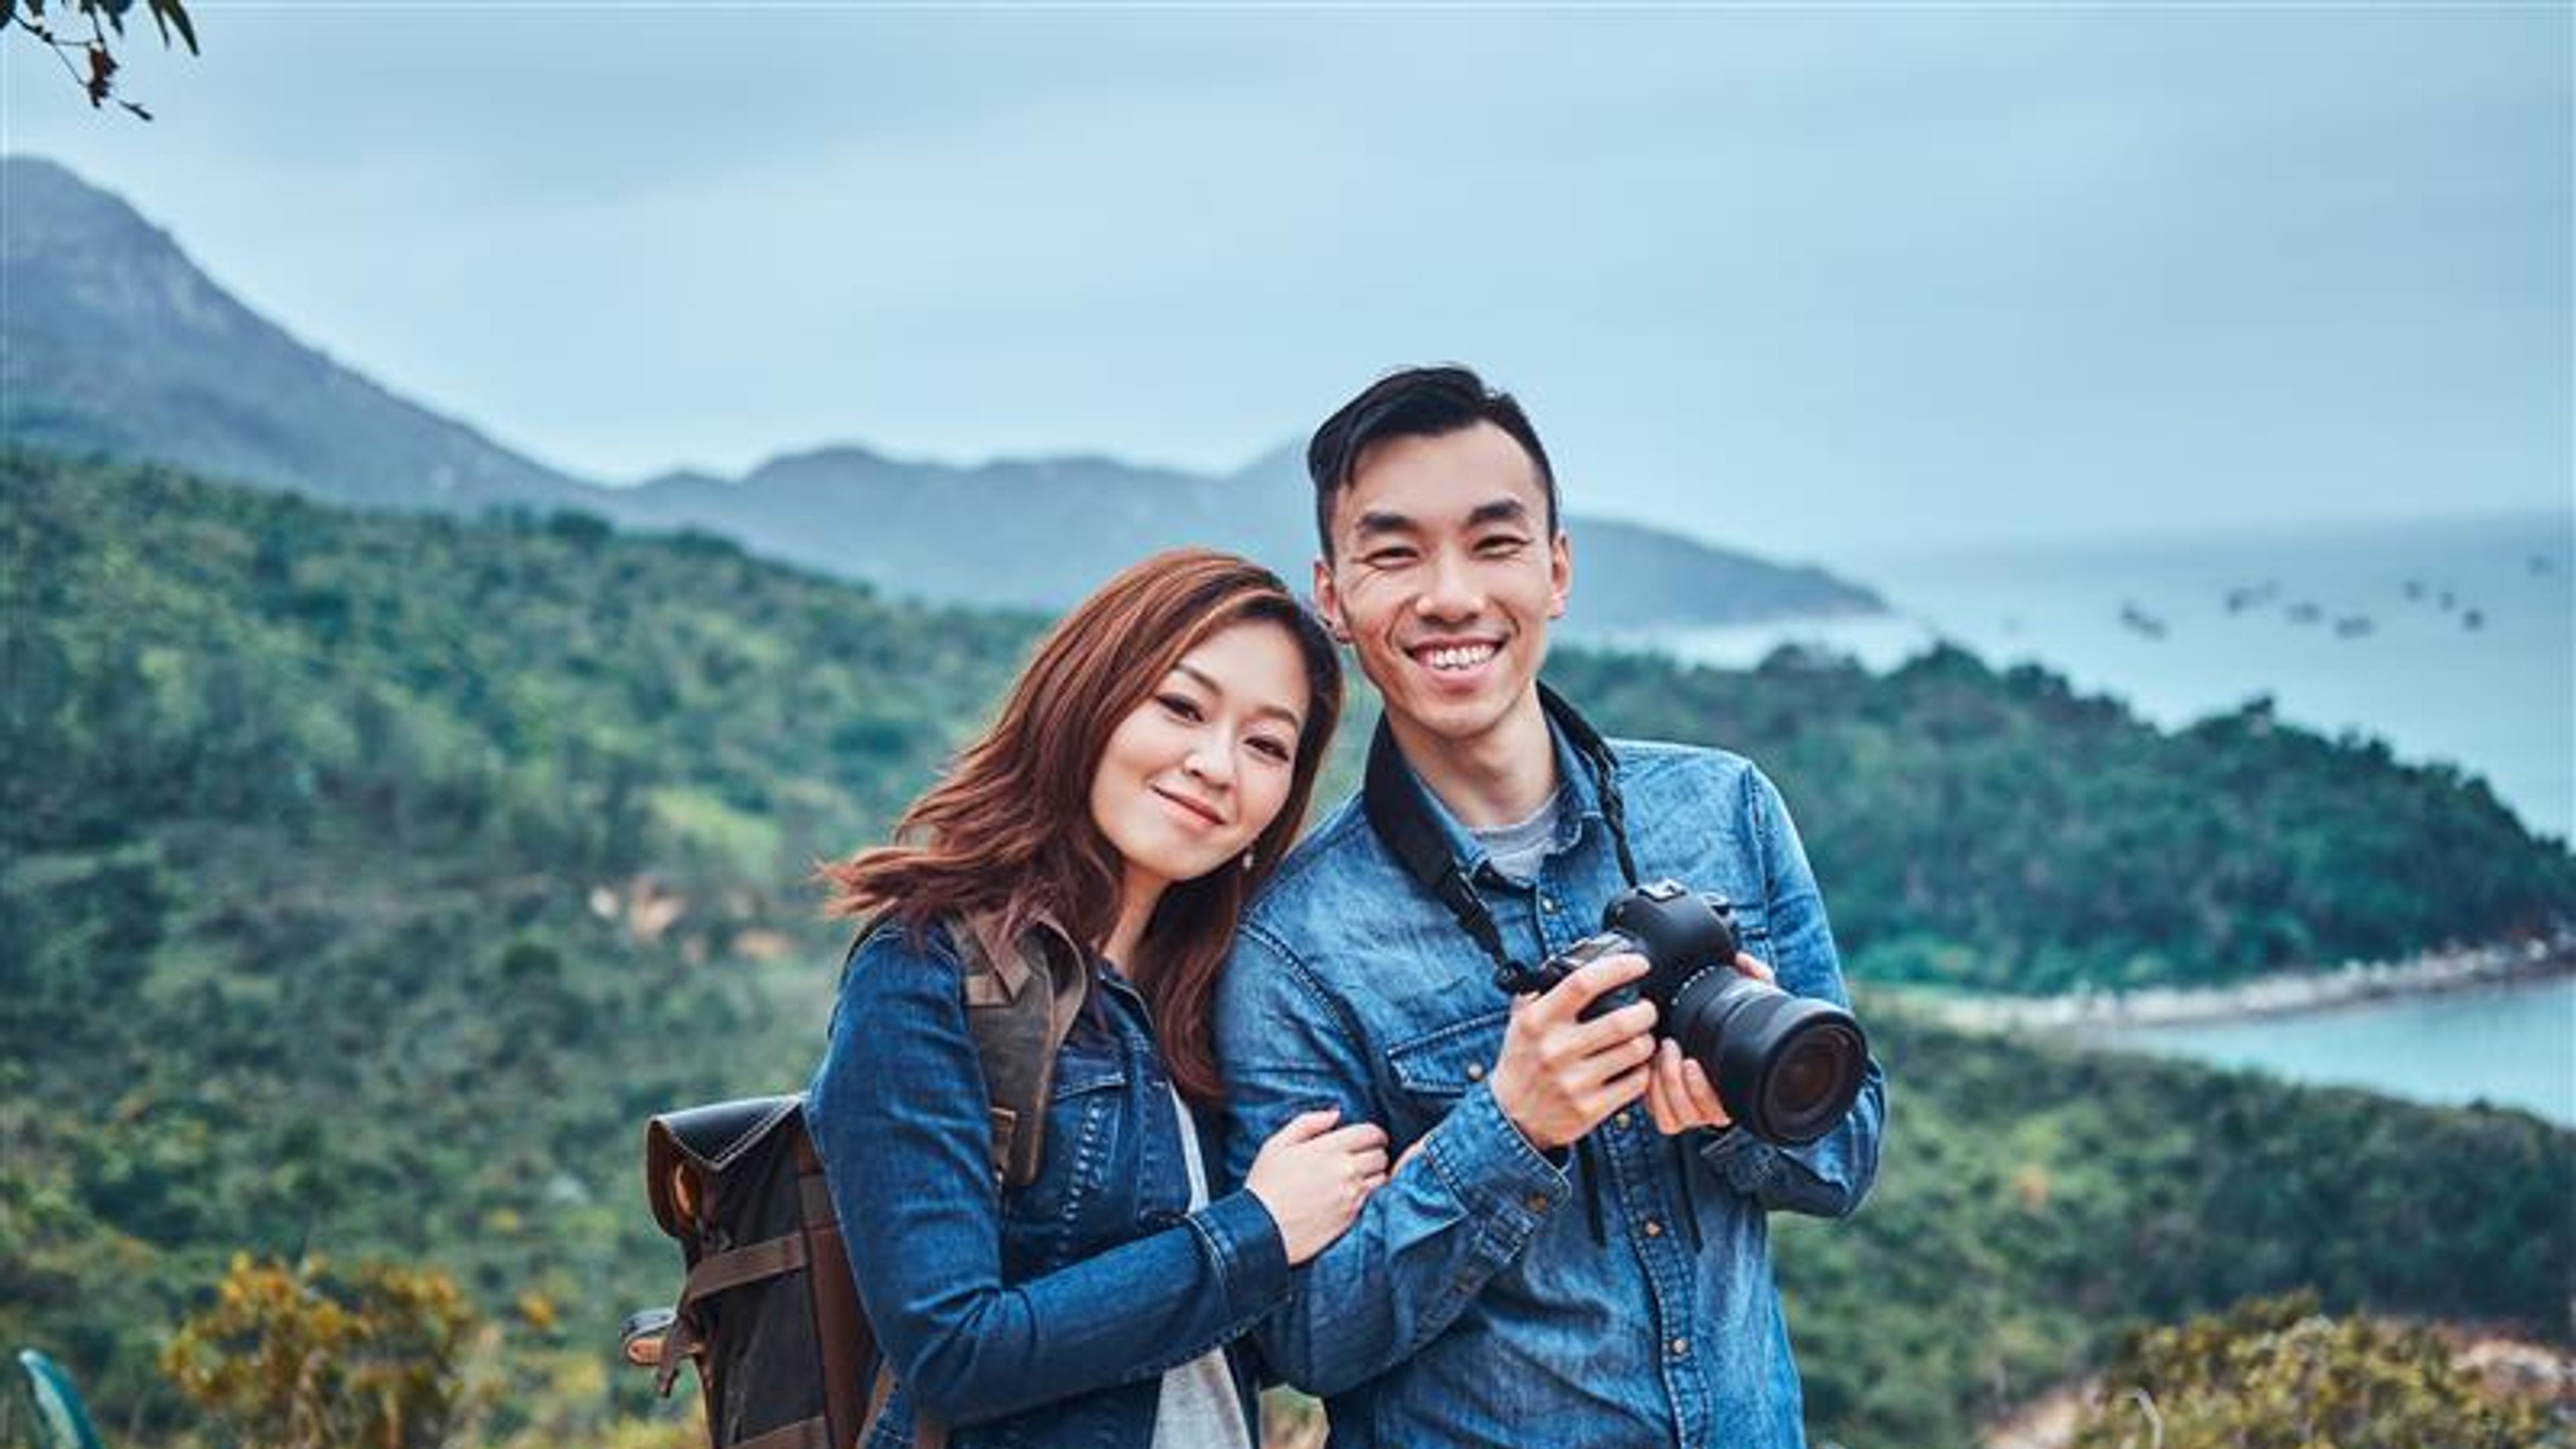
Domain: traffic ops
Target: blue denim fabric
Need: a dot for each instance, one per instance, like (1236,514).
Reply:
(1042,1315)
(1471,1304)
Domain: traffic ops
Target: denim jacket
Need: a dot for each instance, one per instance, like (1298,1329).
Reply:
(1042,1315)
(1472,1303)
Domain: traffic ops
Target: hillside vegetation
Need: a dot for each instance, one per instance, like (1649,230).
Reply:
(369,878)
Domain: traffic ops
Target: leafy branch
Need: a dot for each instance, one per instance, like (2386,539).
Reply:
(90,60)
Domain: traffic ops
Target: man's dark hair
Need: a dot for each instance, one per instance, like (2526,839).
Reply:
(1417,402)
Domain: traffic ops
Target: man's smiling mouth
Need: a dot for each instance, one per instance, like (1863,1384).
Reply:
(1449,658)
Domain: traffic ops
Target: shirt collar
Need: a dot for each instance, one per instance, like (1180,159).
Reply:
(1578,800)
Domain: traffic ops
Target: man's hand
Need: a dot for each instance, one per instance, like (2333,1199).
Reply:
(1679,1094)
(1560,1075)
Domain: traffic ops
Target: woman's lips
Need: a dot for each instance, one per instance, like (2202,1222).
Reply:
(1189,808)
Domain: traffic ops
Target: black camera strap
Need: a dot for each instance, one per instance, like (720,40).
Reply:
(1401,817)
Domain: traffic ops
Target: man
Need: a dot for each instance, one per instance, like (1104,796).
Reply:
(1575,1252)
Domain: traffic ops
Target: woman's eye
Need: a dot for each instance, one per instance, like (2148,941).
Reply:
(1277,750)
(1180,706)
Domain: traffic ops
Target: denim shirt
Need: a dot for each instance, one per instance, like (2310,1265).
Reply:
(1472,1303)
(1042,1315)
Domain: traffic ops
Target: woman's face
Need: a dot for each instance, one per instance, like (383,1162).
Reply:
(1193,775)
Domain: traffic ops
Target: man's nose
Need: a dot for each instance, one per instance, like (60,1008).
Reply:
(1449,591)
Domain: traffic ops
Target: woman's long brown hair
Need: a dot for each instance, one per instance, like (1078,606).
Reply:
(1009,829)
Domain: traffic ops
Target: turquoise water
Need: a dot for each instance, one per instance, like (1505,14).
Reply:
(2511,1047)
(2497,699)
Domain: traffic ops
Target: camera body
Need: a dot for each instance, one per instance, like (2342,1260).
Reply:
(1787,1068)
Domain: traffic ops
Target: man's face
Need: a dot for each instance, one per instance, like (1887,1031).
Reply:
(1443,577)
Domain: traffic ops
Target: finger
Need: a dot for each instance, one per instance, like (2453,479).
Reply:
(1618,1092)
(1758,970)
(1613,1027)
(1664,1095)
(1307,1125)
(1410,1153)
(1357,1137)
(1566,1000)
(1703,1096)
(1369,1164)
(1613,1061)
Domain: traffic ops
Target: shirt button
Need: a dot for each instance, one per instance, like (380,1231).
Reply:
(1628,1119)
(1475,1071)
(1536,1202)
(1654,1229)
(1681,1347)
(1547,904)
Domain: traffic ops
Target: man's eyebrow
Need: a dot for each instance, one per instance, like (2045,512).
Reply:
(1278,711)
(1500,510)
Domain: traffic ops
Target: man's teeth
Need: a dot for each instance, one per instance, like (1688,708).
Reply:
(1463,656)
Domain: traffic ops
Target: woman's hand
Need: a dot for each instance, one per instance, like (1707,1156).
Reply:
(1313,1178)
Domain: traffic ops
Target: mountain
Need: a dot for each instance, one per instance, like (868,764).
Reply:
(118,344)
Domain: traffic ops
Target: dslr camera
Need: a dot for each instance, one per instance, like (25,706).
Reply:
(1788,1068)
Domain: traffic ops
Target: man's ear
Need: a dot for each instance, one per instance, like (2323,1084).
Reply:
(1328,602)
(1560,573)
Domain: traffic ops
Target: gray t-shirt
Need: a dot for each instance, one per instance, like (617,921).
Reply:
(1516,849)
(1198,1409)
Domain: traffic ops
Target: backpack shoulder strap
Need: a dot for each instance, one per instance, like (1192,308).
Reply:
(1022,998)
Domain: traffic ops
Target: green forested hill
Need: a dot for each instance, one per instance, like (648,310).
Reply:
(369,878)
(1999,831)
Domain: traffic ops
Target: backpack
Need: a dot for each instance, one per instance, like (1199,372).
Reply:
(768,1312)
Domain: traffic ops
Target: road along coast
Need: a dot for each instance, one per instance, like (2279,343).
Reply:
(2289,993)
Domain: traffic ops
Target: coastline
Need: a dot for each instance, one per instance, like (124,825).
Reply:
(2301,993)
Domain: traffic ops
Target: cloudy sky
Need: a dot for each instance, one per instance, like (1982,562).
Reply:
(1803,279)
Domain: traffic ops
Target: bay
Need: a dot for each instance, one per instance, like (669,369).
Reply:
(2452,640)
(2508,1046)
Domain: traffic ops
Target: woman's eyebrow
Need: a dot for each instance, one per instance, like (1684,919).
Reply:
(1280,711)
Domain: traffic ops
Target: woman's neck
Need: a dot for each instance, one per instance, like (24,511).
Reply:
(1137,897)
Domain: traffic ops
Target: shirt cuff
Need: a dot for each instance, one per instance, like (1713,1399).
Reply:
(1251,1257)
(1746,1162)
(1491,1167)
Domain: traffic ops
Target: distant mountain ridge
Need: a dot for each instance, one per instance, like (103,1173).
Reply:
(118,344)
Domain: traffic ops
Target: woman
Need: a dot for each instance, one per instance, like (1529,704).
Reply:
(1146,774)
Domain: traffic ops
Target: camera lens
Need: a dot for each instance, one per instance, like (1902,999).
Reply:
(1787,1067)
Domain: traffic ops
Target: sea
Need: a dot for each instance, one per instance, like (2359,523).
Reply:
(2454,641)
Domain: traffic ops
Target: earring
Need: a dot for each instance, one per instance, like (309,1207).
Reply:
(1247,860)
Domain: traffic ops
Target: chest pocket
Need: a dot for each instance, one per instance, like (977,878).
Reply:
(1432,1071)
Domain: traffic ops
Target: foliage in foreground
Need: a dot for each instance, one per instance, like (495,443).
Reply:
(2277,1374)
(313,1357)
(2035,1201)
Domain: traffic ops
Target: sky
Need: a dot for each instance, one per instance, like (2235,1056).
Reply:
(1807,280)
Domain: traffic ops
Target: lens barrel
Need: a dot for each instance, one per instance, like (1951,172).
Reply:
(1787,1067)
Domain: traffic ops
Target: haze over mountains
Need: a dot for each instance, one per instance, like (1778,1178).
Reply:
(118,344)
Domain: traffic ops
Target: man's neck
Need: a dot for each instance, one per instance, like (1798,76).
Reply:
(1490,780)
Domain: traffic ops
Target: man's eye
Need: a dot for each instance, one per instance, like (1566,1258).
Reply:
(1387,558)
(1500,544)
